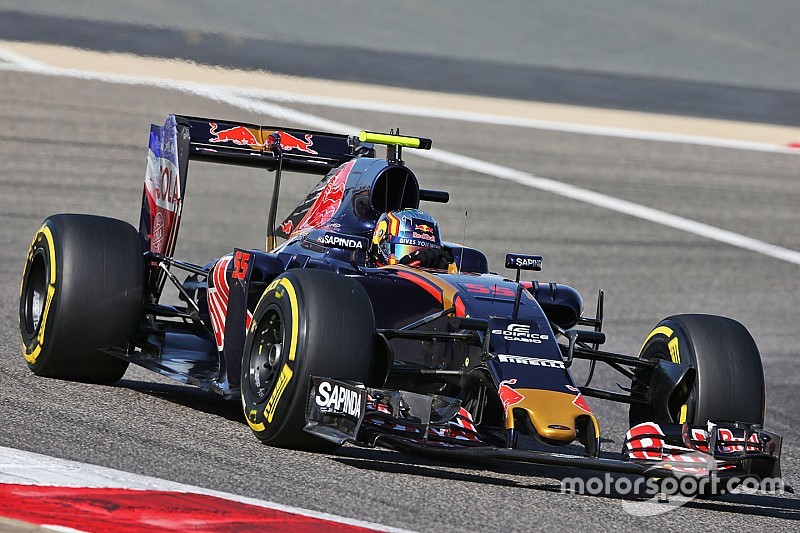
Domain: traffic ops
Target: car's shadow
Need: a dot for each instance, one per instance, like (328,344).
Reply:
(512,474)
(188,396)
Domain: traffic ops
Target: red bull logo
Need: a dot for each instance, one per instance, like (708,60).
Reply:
(508,396)
(424,231)
(423,236)
(238,135)
(328,202)
(290,142)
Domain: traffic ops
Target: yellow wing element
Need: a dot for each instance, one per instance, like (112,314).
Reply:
(395,140)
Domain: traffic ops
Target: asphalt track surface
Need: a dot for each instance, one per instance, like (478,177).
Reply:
(69,145)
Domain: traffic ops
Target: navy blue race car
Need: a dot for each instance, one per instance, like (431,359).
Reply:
(363,326)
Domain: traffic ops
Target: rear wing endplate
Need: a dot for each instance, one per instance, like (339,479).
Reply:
(184,138)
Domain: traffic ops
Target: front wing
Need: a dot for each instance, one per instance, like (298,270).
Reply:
(439,427)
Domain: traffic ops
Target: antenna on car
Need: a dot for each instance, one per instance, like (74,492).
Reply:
(394,152)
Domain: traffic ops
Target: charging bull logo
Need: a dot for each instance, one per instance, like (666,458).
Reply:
(238,135)
(508,396)
(328,202)
(423,231)
(290,142)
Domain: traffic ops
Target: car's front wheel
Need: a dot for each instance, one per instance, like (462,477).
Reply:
(730,379)
(308,322)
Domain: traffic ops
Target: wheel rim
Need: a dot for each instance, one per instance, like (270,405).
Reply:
(34,295)
(266,354)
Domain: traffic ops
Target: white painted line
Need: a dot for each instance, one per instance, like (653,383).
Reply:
(616,204)
(20,63)
(256,105)
(544,184)
(26,468)
(501,120)
(20,60)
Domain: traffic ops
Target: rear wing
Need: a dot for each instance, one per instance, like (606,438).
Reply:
(239,143)
(184,138)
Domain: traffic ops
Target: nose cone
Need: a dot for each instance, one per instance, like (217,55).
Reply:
(553,414)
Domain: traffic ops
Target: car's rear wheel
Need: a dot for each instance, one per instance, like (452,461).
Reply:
(81,293)
(308,322)
(730,379)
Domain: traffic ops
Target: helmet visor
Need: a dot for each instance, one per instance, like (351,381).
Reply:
(400,251)
(401,247)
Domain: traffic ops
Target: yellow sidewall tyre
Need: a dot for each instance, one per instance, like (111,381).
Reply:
(81,292)
(307,322)
(730,378)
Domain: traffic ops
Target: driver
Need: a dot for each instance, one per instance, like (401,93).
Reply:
(409,237)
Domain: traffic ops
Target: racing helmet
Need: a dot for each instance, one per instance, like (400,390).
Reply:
(409,237)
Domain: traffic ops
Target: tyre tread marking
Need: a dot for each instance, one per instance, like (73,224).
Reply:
(272,404)
(270,287)
(674,351)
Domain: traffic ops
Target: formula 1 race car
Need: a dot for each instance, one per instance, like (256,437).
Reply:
(362,326)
